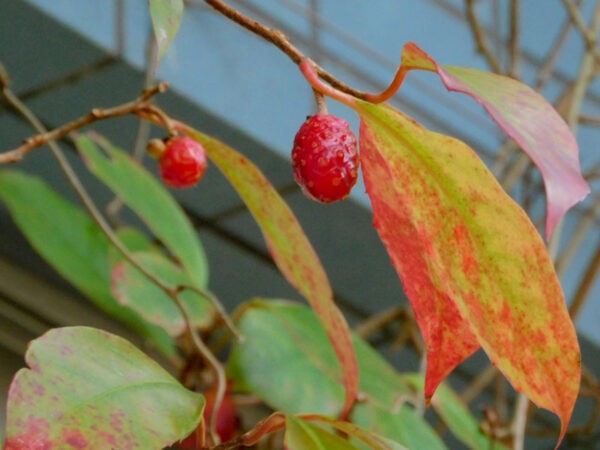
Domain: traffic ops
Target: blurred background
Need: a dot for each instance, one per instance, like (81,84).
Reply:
(66,57)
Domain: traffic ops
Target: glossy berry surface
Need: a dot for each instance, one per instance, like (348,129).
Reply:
(325,159)
(182,163)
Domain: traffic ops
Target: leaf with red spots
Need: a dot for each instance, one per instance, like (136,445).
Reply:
(166,17)
(290,248)
(472,264)
(528,119)
(88,389)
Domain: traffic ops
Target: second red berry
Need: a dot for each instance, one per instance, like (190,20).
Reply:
(325,159)
(183,162)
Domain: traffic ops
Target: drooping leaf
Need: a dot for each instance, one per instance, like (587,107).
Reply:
(166,17)
(527,118)
(286,360)
(150,201)
(86,388)
(289,247)
(471,262)
(456,416)
(301,435)
(133,289)
(402,425)
(71,242)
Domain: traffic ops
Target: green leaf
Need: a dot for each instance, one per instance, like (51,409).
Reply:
(287,361)
(166,17)
(71,242)
(135,290)
(526,117)
(150,201)
(301,435)
(456,416)
(135,241)
(86,388)
(402,425)
(289,247)
(472,264)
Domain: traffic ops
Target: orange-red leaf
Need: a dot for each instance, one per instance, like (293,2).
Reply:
(289,247)
(472,263)
(527,118)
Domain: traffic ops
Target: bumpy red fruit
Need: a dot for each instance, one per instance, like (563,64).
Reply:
(324,158)
(183,162)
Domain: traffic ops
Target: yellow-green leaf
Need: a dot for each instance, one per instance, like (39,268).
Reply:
(472,264)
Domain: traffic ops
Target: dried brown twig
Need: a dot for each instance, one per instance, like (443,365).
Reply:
(480,38)
(280,40)
(95,115)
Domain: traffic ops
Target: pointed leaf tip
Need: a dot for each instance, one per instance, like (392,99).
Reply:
(528,119)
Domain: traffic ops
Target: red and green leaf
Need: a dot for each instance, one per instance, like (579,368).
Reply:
(289,247)
(86,388)
(528,119)
(471,262)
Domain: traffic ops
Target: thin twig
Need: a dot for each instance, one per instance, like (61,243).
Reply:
(212,361)
(320,102)
(514,39)
(377,321)
(587,66)
(217,305)
(575,15)
(480,38)
(577,237)
(479,384)
(550,59)
(280,40)
(585,119)
(586,284)
(143,132)
(95,115)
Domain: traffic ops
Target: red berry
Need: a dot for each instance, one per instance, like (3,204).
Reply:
(182,163)
(324,158)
